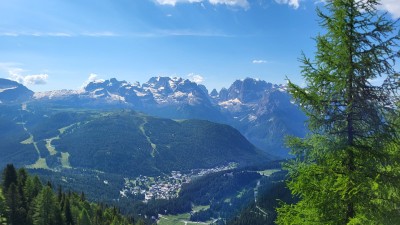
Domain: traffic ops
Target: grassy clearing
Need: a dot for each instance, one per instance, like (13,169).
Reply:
(182,219)
(268,172)
(200,207)
(28,141)
(39,164)
(153,146)
(65,160)
(180,120)
(50,147)
(62,130)
(241,193)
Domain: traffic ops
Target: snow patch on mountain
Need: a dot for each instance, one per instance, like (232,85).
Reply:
(231,102)
(56,94)
(5,89)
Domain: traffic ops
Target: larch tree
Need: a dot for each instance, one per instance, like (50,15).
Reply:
(46,208)
(347,170)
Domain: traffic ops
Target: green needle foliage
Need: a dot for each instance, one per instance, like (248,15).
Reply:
(28,202)
(347,171)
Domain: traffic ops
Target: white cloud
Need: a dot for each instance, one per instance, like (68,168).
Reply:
(34,79)
(196,78)
(242,3)
(236,3)
(92,78)
(259,61)
(293,3)
(15,72)
(392,6)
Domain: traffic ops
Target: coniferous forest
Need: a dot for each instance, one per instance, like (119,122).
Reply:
(24,200)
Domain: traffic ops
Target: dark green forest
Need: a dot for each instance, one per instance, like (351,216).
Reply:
(24,200)
(120,142)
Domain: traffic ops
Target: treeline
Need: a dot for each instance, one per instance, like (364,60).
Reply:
(24,200)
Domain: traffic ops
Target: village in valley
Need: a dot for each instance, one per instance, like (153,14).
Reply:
(167,186)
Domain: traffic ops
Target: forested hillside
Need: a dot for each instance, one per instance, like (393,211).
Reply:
(24,200)
(116,141)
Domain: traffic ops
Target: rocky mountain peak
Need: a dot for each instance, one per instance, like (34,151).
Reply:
(214,93)
(11,91)
(248,90)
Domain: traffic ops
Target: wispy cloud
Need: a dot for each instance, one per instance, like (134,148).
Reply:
(196,78)
(100,34)
(16,73)
(161,33)
(292,3)
(234,3)
(259,61)
(150,34)
(58,34)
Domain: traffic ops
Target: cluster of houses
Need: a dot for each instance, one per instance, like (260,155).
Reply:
(167,186)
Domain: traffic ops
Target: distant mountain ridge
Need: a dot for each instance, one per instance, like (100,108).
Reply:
(117,141)
(261,111)
(13,92)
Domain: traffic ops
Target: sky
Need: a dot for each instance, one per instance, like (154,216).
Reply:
(63,44)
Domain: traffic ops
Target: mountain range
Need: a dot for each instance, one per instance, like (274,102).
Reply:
(261,111)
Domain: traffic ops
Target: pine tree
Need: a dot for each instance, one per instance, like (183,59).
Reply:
(84,218)
(13,201)
(67,213)
(345,172)
(21,183)
(9,177)
(82,197)
(59,194)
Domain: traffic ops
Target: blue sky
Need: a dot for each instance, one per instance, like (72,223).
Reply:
(60,44)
